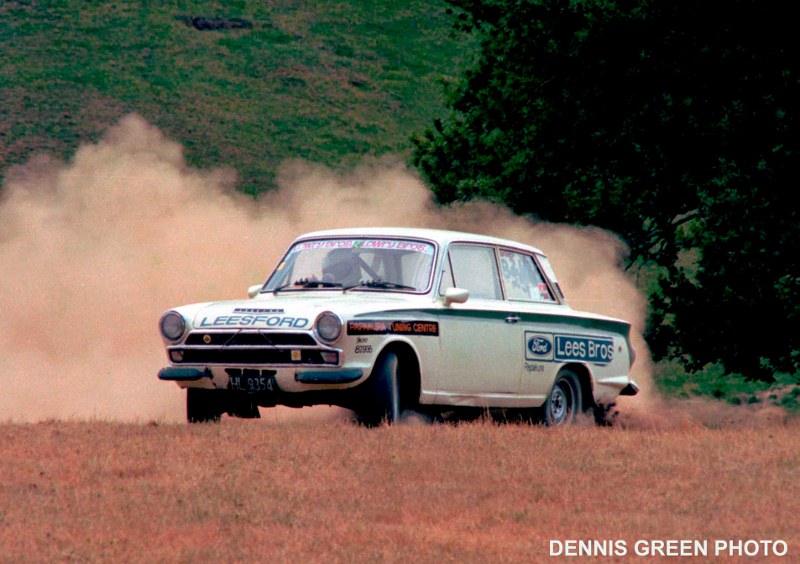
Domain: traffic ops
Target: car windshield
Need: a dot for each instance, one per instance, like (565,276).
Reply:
(355,263)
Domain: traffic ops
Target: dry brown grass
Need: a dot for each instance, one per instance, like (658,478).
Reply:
(305,490)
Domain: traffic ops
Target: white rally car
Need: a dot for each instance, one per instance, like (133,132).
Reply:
(390,321)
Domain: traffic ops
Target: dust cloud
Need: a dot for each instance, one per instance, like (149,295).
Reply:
(92,252)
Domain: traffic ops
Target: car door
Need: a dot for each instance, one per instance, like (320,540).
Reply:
(479,339)
(527,288)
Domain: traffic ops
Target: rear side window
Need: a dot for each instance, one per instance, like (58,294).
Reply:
(522,279)
(548,270)
(474,268)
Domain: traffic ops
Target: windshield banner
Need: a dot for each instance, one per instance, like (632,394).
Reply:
(366,244)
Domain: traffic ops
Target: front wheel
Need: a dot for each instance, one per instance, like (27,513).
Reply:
(203,406)
(243,405)
(564,401)
(381,401)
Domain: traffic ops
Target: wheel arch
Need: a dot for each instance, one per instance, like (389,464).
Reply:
(586,382)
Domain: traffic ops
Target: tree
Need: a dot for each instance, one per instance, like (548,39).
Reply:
(674,124)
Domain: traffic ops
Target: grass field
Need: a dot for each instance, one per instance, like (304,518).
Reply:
(329,491)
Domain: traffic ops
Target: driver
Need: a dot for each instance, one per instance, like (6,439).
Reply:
(342,267)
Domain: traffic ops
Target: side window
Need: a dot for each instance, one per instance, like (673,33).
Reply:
(474,268)
(521,279)
(551,274)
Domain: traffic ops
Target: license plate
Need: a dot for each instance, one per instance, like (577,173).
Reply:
(252,383)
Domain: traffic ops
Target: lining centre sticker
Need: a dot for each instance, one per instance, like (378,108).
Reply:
(378,327)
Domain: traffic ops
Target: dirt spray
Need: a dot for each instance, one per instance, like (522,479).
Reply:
(93,250)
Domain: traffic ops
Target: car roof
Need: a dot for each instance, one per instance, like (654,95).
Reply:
(440,236)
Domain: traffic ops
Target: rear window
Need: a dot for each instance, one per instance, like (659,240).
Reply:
(521,278)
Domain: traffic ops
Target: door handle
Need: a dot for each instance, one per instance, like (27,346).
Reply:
(513,319)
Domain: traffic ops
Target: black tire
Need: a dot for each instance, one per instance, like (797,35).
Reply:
(243,406)
(381,402)
(564,401)
(203,406)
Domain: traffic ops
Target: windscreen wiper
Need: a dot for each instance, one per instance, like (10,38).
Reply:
(308,283)
(380,284)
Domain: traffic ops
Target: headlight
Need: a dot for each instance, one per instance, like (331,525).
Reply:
(172,325)
(328,326)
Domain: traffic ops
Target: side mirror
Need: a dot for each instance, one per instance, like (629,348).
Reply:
(455,296)
(253,291)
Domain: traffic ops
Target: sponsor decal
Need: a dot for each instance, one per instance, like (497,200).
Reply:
(277,321)
(256,310)
(538,346)
(362,346)
(548,347)
(392,244)
(597,350)
(532,367)
(376,327)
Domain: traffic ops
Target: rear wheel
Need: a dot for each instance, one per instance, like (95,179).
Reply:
(564,401)
(203,406)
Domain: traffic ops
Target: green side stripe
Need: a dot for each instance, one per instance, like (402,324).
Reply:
(620,327)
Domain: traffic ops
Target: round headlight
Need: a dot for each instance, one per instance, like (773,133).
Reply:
(172,325)
(329,326)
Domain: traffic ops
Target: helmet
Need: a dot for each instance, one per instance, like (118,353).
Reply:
(341,266)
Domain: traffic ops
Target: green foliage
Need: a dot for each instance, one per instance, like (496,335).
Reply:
(712,381)
(326,81)
(674,124)
(741,305)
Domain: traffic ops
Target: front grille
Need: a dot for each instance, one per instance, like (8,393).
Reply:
(247,356)
(252,348)
(250,338)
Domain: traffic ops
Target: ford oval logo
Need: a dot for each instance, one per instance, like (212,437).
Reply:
(540,346)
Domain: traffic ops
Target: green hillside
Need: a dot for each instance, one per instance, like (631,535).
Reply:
(245,84)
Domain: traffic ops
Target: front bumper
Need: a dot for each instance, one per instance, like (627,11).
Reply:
(174,374)
(343,376)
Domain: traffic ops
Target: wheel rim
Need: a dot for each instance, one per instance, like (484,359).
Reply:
(563,402)
(559,403)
